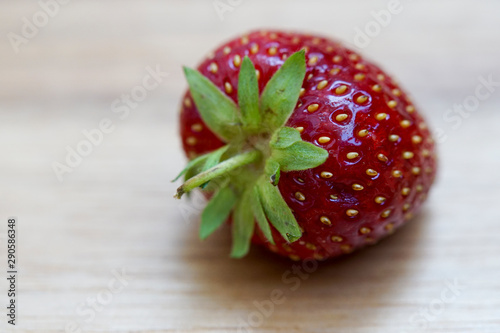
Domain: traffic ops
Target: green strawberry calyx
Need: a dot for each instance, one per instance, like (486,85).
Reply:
(244,174)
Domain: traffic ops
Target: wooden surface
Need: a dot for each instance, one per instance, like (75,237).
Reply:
(115,211)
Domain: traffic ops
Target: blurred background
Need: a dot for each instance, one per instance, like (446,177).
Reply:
(103,246)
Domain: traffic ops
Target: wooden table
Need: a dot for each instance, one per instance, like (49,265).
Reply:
(115,211)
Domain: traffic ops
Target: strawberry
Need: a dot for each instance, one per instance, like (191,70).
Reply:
(311,150)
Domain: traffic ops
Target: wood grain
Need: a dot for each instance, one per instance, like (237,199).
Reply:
(115,211)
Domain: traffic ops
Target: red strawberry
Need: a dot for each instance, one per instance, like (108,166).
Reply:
(380,158)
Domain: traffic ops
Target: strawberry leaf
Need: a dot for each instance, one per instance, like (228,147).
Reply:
(281,93)
(218,111)
(284,137)
(299,156)
(248,96)
(192,165)
(202,163)
(243,225)
(272,170)
(258,212)
(212,160)
(277,211)
(221,169)
(217,211)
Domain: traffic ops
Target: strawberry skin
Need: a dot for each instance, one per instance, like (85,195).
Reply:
(381,161)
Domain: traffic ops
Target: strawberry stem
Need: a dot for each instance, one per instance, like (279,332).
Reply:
(218,170)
